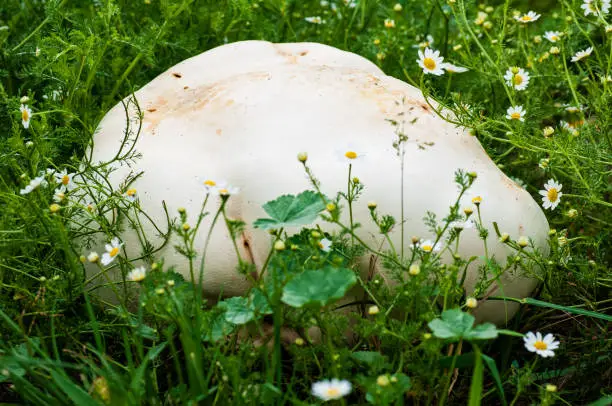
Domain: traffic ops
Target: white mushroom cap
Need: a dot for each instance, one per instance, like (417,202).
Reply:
(241,113)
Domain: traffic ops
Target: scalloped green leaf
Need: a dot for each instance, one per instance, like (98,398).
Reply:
(318,287)
(290,210)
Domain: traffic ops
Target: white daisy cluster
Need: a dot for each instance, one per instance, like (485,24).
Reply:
(315,20)
(222,188)
(595,7)
(432,63)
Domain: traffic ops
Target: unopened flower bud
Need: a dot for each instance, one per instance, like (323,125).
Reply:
(572,213)
(302,157)
(372,310)
(186,227)
(372,205)
(330,207)
(383,380)
(54,208)
(471,302)
(504,237)
(522,241)
(414,269)
(93,257)
(279,245)
(551,388)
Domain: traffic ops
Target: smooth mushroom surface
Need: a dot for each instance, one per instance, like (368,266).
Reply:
(242,112)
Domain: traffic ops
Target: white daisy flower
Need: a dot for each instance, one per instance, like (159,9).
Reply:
(325,244)
(332,389)
(431,62)
(429,40)
(351,153)
(131,194)
(26,113)
(568,127)
(65,179)
(481,18)
(527,18)
(33,185)
(541,346)
(112,250)
(516,113)
(551,194)
(453,68)
(595,7)
(59,195)
(552,36)
(517,78)
(462,225)
(428,246)
(219,188)
(137,274)
(389,23)
(315,20)
(582,54)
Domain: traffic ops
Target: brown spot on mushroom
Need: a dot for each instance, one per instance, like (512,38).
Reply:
(152,110)
(185,87)
(425,107)
(219,131)
(177,75)
(303,53)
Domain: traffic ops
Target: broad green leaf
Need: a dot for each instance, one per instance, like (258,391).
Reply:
(485,331)
(375,360)
(289,210)
(456,325)
(237,310)
(318,287)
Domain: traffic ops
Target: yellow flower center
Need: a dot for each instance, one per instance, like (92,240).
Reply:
(553,194)
(540,345)
(114,251)
(554,37)
(351,154)
(25,116)
(526,18)
(429,63)
(210,183)
(131,192)
(516,116)
(223,192)
(427,248)
(65,180)
(517,80)
(332,392)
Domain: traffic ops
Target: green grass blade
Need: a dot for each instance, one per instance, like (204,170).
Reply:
(496,377)
(540,303)
(74,392)
(477,379)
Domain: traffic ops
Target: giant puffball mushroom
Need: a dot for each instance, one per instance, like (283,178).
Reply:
(243,111)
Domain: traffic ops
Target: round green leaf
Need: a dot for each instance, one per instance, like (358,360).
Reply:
(318,287)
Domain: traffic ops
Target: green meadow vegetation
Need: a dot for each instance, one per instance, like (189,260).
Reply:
(532,80)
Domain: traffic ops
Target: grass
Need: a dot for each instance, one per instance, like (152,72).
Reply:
(70,61)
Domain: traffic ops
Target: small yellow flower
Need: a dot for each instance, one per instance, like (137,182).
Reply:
(551,388)
(398,7)
(54,208)
(477,200)
(299,341)
(131,194)
(427,336)
(504,237)
(279,245)
(389,23)
(186,227)
(468,211)
(330,207)
(372,310)
(372,205)
(302,157)
(414,269)
(554,50)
